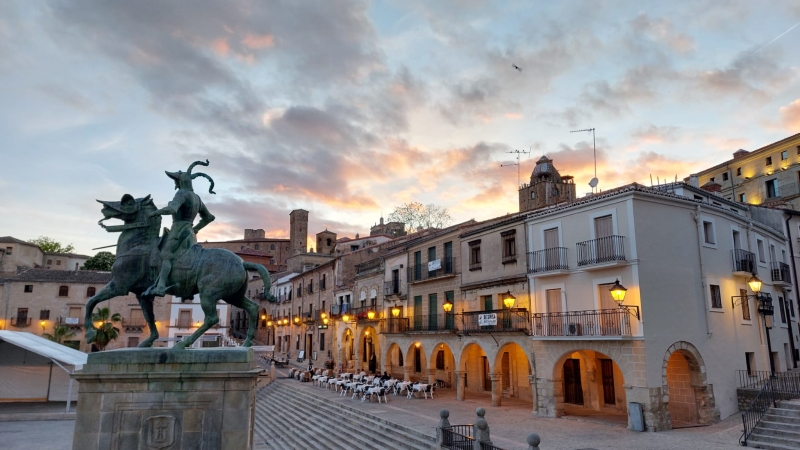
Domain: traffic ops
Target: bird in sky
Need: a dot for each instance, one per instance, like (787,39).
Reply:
(516,67)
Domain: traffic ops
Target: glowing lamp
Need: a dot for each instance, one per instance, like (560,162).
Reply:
(370,315)
(755,284)
(269,323)
(323,315)
(99,324)
(42,323)
(325,321)
(417,344)
(263,316)
(448,306)
(618,292)
(296,320)
(346,318)
(509,300)
(366,333)
(395,311)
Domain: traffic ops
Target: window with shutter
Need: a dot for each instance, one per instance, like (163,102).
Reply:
(554,301)
(603,227)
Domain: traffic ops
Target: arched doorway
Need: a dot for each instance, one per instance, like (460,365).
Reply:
(474,368)
(442,365)
(394,361)
(590,383)
(369,350)
(416,363)
(690,400)
(514,369)
(347,350)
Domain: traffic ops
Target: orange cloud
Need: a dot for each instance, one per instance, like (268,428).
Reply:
(220,46)
(256,42)
(513,116)
(790,116)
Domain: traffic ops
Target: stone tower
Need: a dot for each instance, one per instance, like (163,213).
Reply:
(547,187)
(326,242)
(298,232)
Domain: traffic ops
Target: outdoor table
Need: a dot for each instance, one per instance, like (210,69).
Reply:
(370,391)
(402,385)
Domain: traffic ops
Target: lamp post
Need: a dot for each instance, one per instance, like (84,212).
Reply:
(395,311)
(618,293)
(43,323)
(765,309)
(509,300)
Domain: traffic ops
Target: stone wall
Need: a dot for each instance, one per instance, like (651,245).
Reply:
(745,397)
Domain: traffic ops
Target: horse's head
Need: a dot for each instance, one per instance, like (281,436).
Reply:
(128,209)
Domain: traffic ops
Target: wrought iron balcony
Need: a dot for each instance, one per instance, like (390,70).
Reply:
(20,322)
(362,313)
(780,272)
(601,322)
(433,269)
(515,319)
(369,267)
(134,324)
(548,260)
(394,287)
(507,259)
(433,322)
(71,322)
(744,261)
(394,325)
(601,250)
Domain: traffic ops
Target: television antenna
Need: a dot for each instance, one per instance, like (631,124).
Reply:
(518,153)
(594,181)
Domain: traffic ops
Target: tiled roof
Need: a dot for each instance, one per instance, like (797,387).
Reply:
(13,240)
(249,251)
(68,255)
(62,276)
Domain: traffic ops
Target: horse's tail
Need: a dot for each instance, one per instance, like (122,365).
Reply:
(264,276)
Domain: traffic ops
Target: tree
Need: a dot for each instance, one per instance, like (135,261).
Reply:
(100,261)
(106,331)
(60,334)
(50,245)
(416,215)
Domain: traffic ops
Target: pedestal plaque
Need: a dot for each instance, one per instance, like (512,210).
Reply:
(153,398)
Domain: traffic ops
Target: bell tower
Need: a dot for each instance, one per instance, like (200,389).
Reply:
(298,232)
(547,187)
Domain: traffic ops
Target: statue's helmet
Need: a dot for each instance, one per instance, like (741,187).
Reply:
(183,180)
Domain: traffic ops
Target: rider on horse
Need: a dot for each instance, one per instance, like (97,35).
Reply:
(183,208)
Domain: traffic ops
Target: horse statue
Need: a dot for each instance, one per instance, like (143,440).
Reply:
(215,273)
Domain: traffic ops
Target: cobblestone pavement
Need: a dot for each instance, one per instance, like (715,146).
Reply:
(511,423)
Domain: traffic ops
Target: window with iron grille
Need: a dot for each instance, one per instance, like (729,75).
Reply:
(90,291)
(44,314)
(716,297)
(63,291)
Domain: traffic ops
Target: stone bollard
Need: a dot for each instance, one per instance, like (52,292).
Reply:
(480,431)
(272,372)
(533,441)
(443,424)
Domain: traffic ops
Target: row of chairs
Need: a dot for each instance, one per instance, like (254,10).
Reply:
(364,385)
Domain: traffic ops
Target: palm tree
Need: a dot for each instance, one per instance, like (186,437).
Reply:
(106,331)
(60,334)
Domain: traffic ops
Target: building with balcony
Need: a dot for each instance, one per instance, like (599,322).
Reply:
(187,315)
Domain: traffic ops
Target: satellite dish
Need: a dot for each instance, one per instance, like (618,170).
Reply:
(593,182)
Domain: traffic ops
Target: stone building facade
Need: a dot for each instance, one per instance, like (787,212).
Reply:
(38,300)
(546,188)
(17,255)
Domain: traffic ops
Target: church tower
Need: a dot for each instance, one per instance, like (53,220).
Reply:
(547,187)
(298,232)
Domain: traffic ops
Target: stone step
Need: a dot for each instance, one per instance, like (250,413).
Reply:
(758,440)
(789,404)
(299,428)
(406,435)
(768,446)
(357,427)
(788,426)
(329,438)
(782,432)
(780,411)
(277,432)
(780,418)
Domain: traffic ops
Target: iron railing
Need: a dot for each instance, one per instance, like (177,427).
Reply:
(548,259)
(516,319)
(458,437)
(393,287)
(780,272)
(486,446)
(509,258)
(373,266)
(394,325)
(63,321)
(20,322)
(744,261)
(434,322)
(600,322)
(604,249)
(362,313)
(752,379)
(420,272)
(136,322)
(776,388)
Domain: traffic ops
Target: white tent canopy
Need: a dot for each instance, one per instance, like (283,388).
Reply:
(26,371)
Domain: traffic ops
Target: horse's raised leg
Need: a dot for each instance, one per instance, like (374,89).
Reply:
(146,302)
(109,291)
(209,304)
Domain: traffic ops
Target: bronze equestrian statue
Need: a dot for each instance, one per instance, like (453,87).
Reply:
(149,266)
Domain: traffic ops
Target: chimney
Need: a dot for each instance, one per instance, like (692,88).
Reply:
(739,153)
(712,187)
(693,180)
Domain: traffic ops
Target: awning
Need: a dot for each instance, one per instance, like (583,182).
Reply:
(46,348)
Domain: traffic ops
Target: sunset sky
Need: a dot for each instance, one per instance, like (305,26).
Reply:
(349,108)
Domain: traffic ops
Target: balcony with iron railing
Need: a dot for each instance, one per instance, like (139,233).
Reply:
(362,313)
(780,272)
(509,258)
(134,324)
(744,262)
(433,322)
(550,260)
(369,267)
(601,322)
(505,320)
(442,267)
(604,250)
(71,322)
(188,324)
(393,287)
(394,325)
(20,322)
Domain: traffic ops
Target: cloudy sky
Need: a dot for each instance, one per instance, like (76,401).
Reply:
(349,108)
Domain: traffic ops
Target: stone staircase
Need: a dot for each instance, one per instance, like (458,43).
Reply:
(288,417)
(779,429)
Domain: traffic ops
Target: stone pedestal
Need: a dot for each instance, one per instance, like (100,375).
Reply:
(497,394)
(460,384)
(172,400)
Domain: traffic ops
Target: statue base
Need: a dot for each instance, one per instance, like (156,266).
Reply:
(152,398)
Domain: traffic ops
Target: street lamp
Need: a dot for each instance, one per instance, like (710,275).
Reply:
(296,319)
(395,311)
(42,323)
(346,318)
(618,292)
(765,308)
(509,300)
(755,284)
(370,315)
(447,306)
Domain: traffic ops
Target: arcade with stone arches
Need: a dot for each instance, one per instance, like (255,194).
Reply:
(688,398)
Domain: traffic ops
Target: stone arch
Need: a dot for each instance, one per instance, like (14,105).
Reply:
(416,361)
(442,367)
(346,349)
(394,360)
(514,369)
(368,347)
(692,405)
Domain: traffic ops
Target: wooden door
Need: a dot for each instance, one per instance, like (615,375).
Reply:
(573,391)
(604,245)
(551,255)
(607,370)
(487,382)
